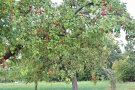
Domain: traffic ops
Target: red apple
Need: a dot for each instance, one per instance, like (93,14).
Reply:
(122,24)
(80,28)
(95,18)
(103,13)
(109,8)
(41,11)
(11,17)
(30,9)
(62,41)
(44,36)
(3,58)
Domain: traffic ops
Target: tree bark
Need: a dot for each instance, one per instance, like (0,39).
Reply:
(74,83)
(36,85)
(112,78)
(113,82)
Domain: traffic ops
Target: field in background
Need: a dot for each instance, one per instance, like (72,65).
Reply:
(63,86)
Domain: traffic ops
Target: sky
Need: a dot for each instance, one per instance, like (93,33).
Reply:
(130,6)
(57,1)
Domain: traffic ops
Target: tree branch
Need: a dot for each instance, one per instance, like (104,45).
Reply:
(9,54)
(91,3)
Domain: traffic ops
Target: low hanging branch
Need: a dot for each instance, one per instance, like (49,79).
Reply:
(10,54)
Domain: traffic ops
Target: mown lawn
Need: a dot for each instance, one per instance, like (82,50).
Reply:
(63,86)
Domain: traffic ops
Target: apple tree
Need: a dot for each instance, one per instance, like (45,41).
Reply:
(59,40)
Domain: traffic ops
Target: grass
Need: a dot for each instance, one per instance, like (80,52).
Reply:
(104,85)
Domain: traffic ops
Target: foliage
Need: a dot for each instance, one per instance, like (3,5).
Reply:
(124,70)
(114,54)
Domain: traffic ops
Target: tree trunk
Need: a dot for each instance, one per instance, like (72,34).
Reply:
(112,78)
(74,83)
(113,82)
(36,85)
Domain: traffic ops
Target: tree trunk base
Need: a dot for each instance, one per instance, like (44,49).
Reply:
(113,83)
(36,85)
(74,83)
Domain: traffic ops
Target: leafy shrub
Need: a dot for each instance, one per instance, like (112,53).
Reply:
(124,70)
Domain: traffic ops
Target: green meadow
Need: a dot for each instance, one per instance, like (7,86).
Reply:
(85,85)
